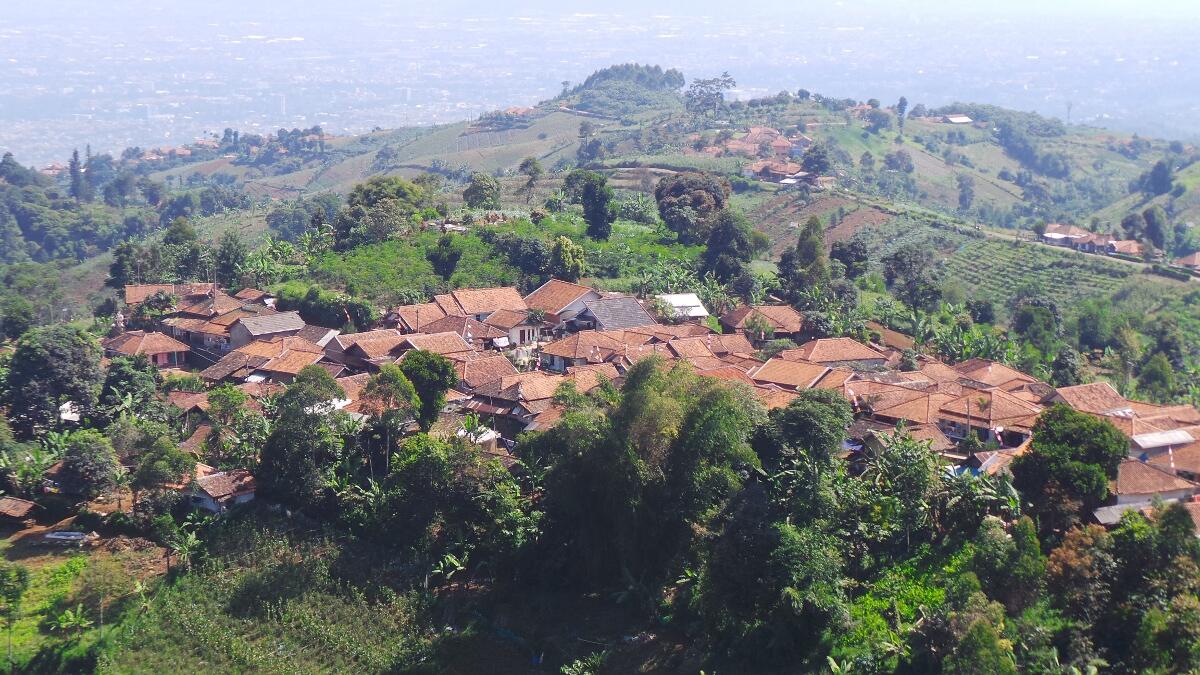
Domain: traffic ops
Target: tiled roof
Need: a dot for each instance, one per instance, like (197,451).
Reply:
(251,294)
(278,345)
(229,318)
(1139,478)
(532,386)
(1096,397)
(686,348)
(792,374)
(727,373)
(774,397)
(464,325)
(991,373)
(376,346)
(589,377)
(618,313)
(832,350)
(291,362)
(665,333)
(193,325)
(891,338)
(588,344)
(137,293)
(481,300)
(438,343)
(318,335)
(227,484)
(731,343)
(783,318)
(555,295)
(991,408)
(135,342)
(506,319)
(281,322)
(235,364)
(350,339)
(416,317)
(477,371)
(18,509)
(209,306)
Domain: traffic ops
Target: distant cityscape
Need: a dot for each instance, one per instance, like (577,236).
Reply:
(122,78)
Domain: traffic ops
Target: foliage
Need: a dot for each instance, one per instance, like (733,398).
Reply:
(89,464)
(52,365)
(432,375)
(690,203)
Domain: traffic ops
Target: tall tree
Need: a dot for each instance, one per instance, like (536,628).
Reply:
(231,257)
(567,260)
(804,266)
(483,192)
(51,366)
(89,464)
(79,186)
(689,203)
(303,440)
(728,250)
(391,399)
(432,375)
(532,169)
(598,208)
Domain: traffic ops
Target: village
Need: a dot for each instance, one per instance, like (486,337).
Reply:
(514,355)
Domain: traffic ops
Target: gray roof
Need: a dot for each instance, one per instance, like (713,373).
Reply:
(273,323)
(618,313)
(318,335)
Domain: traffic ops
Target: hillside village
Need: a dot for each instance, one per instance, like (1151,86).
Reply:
(638,379)
(513,358)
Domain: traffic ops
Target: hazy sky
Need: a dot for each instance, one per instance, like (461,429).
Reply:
(118,71)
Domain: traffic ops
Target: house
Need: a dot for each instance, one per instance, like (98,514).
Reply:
(163,350)
(136,294)
(254,295)
(218,492)
(1126,247)
(1058,234)
(480,302)
(794,375)
(581,348)
(14,510)
(836,352)
(990,415)
(775,170)
(1190,261)
(476,370)
(378,343)
(276,360)
(614,314)
(478,334)
(687,306)
(955,118)
(448,344)
(560,300)
(520,328)
(780,321)
(1139,483)
(250,329)
(414,318)
(1093,243)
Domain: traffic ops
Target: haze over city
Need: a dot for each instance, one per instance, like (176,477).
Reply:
(120,74)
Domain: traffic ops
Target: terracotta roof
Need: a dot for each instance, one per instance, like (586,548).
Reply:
(376,346)
(687,348)
(1126,246)
(1096,397)
(137,293)
(194,325)
(350,339)
(774,397)
(227,484)
(832,350)
(891,338)
(555,295)
(666,333)
(792,374)
(229,318)
(522,387)
(991,373)
(783,318)
(194,444)
(727,373)
(477,371)
(588,344)
(587,378)
(480,300)
(731,343)
(1189,260)
(1072,231)
(618,313)
(235,364)
(991,408)
(136,342)
(251,294)
(447,304)
(209,306)
(414,318)
(292,361)
(462,325)
(17,509)
(438,343)
(1139,478)
(507,319)
(187,400)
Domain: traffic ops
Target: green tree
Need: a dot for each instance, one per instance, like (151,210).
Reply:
(690,202)
(1066,472)
(89,464)
(130,387)
(392,400)
(1157,378)
(1158,226)
(982,651)
(483,192)
(805,266)
(1067,368)
(381,203)
(445,256)
(706,96)
(567,260)
(303,440)
(161,463)
(728,250)
(51,366)
(598,208)
(231,256)
(966,191)
(432,375)
(14,581)
(532,169)
(817,160)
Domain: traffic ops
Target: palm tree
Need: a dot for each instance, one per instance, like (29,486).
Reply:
(186,546)
(122,480)
(72,619)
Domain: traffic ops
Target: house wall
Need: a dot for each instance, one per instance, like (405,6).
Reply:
(1175,495)
(523,335)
